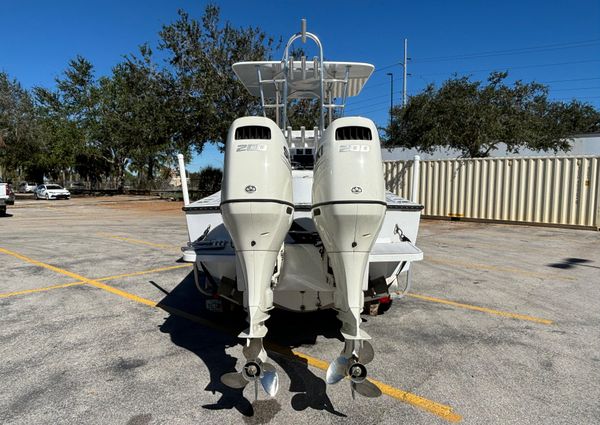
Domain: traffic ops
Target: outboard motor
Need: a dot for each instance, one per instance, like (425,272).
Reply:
(257,210)
(348,208)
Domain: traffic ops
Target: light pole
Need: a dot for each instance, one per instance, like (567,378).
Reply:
(391,94)
(405,73)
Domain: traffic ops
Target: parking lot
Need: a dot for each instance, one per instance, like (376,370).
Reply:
(101,324)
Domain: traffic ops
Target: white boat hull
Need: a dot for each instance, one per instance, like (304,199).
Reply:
(303,283)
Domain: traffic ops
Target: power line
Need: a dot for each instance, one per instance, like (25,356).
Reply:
(376,85)
(504,52)
(513,67)
(386,67)
(516,51)
(575,88)
(371,110)
(378,101)
(370,105)
(368,111)
(361,101)
(576,97)
(353,107)
(569,79)
(541,82)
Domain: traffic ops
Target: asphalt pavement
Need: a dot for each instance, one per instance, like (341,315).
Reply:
(100,323)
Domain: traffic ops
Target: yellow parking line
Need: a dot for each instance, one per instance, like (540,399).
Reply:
(78,277)
(44,265)
(102,279)
(123,294)
(143,272)
(141,242)
(482,309)
(319,364)
(476,266)
(443,411)
(45,288)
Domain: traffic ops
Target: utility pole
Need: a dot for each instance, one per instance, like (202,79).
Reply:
(391,94)
(404,67)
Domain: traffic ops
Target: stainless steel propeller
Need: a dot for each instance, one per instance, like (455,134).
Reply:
(254,370)
(351,364)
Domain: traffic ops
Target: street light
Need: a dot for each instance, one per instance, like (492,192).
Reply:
(405,73)
(391,94)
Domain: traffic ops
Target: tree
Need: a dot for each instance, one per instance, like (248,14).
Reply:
(133,121)
(59,139)
(20,151)
(104,126)
(476,118)
(209,95)
(66,116)
(575,117)
(138,118)
(208,180)
(305,112)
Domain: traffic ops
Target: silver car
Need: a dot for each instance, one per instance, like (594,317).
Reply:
(51,191)
(25,187)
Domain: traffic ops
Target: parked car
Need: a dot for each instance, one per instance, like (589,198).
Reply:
(77,187)
(25,187)
(51,191)
(7,196)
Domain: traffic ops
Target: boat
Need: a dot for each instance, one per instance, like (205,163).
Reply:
(303,221)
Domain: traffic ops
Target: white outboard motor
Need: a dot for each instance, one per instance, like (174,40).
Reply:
(257,210)
(348,210)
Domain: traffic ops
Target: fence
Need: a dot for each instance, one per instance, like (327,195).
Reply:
(544,190)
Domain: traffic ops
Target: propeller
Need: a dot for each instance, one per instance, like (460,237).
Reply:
(351,364)
(254,370)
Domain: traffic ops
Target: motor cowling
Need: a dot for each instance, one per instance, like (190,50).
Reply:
(348,206)
(257,209)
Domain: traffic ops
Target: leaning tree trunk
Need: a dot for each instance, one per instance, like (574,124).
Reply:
(120,177)
(150,176)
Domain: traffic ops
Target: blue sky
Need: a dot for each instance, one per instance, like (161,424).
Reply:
(554,42)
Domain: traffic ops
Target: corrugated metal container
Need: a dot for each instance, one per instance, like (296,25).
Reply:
(545,190)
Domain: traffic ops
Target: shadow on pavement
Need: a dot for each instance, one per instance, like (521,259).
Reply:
(569,263)
(209,335)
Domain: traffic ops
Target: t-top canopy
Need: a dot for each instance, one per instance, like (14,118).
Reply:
(303,82)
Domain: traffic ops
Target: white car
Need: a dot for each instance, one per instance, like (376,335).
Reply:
(51,191)
(7,196)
